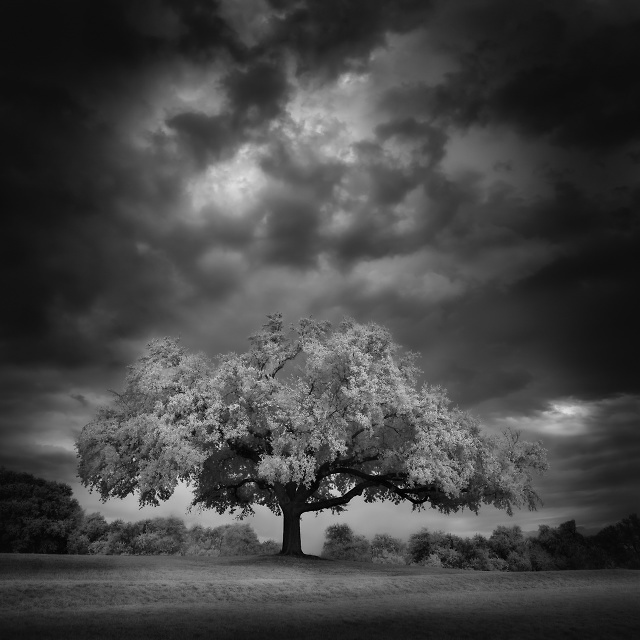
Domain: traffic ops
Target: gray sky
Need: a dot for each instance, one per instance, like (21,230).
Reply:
(464,173)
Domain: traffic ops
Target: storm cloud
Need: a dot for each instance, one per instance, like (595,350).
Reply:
(463,173)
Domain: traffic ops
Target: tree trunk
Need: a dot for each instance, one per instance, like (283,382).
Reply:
(291,542)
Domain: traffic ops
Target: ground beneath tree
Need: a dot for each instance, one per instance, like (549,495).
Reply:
(287,597)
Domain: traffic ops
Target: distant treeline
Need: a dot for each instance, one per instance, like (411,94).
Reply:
(507,549)
(38,516)
(165,536)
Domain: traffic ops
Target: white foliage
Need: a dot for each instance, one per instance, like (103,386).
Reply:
(319,409)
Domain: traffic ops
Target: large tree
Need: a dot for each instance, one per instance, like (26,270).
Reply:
(307,419)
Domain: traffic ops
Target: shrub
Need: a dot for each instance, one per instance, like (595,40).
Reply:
(432,561)
(448,548)
(386,549)
(342,544)
(519,562)
(390,558)
(203,541)
(225,540)
(450,558)
(453,552)
(269,547)
(239,540)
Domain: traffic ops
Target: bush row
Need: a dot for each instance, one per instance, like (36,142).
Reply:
(507,549)
(165,536)
(39,516)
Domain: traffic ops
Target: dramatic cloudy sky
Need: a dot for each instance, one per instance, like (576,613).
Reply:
(465,173)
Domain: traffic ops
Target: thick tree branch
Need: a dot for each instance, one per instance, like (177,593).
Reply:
(288,357)
(429,492)
(329,467)
(331,503)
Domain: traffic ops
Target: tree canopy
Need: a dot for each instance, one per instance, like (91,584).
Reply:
(36,515)
(307,419)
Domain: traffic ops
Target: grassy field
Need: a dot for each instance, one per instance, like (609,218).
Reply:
(272,597)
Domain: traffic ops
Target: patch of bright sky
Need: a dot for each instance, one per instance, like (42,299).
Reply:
(322,124)
(333,117)
(233,185)
(323,121)
(352,99)
(563,418)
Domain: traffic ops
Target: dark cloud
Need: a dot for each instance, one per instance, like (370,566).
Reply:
(208,138)
(521,301)
(561,71)
(291,231)
(48,462)
(573,316)
(337,35)
(586,98)
(71,247)
(71,39)
(257,93)
(433,139)
(317,175)
(80,398)
(88,208)
(86,42)
(201,32)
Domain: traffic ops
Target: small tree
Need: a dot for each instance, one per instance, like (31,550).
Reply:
(308,419)
(36,515)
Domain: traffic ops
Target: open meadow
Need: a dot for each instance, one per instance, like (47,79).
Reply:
(61,596)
